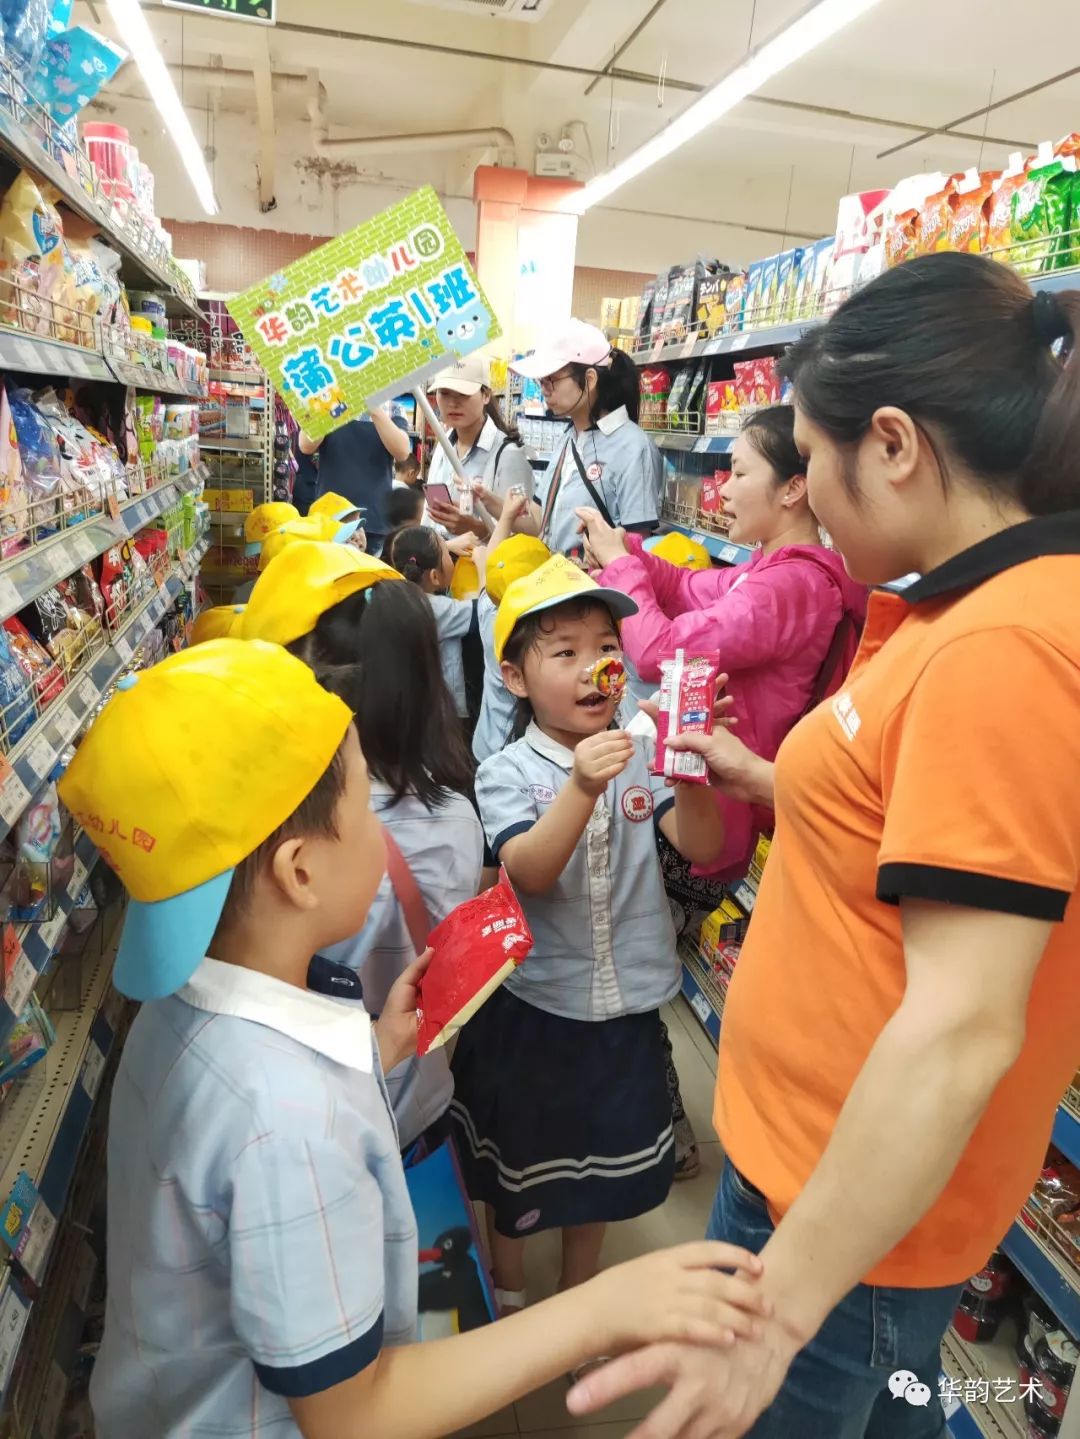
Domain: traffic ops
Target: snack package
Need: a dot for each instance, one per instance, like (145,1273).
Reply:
(73,67)
(770,270)
(477,946)
(734,298)
(24,25)
(37,834)
(608,677)
(812,296)
(751,310)
(1041,210)
(932,232)
(967,221)
(788,269)
(655,392)
(721,408)
(680,303)
(710,311)
(744,385)
(687,696)
(27,1043)
(659,310)
(40,460)
(712,491)
(16,698)
(46,677)
(902,238)
(695,396)
(1057,1190)
(30,257)
(997,217)
(678,406)
(14,516)
(115,582)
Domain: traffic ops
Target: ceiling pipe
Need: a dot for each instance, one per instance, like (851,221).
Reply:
(428,142)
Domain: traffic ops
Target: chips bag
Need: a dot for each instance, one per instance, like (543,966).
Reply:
(932,231)
(967,222)
(997,217)
(1040,217)
(477,946)
(14,513)
(902,238)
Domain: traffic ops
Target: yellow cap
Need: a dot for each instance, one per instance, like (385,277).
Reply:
(680,550)
(302,583)
(317,529)
(555,582)
(335,506)
(264,519)
(465,581)
(187,770)
(215,623)
(515,558)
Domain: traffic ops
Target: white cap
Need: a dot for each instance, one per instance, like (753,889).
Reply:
(467,377)
(575,344)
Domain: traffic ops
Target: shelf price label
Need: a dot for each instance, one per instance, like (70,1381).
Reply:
(50,930)
(41,757)
(14,1313)
(740,342)
(77,880)
(701,446)
(14,796)
(36,1240)
(88,693)
(700,1006)
(10,599)
(729,554)
(20,984)
(93,1069)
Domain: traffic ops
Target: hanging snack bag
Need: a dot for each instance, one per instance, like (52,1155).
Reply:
(997,223)
(680,305)
(14,516)
(478,945)
(115,583)
(967,222)
(934,216)
(645,313)
(40,462)
(902,238)
(32,256)
(1040,217)
(16,701)
(659,310)
(710,312)
(655,392)
(688,687)
(87,594)
(695,397)
(45,676)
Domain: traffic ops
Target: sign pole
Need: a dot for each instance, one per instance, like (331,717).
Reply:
(443,438)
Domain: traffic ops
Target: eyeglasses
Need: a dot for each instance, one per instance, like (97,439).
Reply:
(550,381)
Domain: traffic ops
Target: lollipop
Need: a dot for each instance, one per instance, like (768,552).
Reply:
(609,677)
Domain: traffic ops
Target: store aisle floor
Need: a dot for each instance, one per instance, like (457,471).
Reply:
(543,1415)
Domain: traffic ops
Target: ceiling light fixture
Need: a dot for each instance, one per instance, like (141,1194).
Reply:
(131,25)
(812,28)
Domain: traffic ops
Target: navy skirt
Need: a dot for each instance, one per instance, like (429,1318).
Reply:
(562,1121)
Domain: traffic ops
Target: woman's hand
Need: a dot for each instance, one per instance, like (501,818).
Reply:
(603,543)
(491,502)
(453,520)
(734,768)
(396,1028)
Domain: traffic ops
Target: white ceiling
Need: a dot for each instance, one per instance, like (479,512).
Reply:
(767,170)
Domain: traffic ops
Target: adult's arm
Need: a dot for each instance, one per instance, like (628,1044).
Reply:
(393,433)
(307,445)
(734,768)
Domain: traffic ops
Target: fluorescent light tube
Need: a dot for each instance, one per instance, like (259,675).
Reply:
(135,33)
(812,28)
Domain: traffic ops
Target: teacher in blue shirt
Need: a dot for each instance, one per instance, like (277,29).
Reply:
(357,461)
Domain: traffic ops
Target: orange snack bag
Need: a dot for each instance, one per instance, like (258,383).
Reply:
(997,217)
(967,220)
(933,225)
(901,238)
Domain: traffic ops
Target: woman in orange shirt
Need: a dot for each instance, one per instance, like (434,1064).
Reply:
(905,1015)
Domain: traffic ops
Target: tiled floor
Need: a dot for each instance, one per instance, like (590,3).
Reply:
(543,1415)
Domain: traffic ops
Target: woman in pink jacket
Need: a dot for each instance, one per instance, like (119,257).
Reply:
(785,624)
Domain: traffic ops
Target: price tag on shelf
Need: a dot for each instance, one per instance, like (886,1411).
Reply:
(701,445)
(13,1317)
(10,599)
(729,554)
(37,1240)
(14,796)
(740,342)
(77,880)
(51,1406)
(715,345)
(29,354)
(51,930)
(93,1069)
(41,756)
(20,983)
(88,694)
(699,538)
(85,549)
(113,507)
(690,346)
(84,1268)
(700,1007)
(658,349)
(66,723)
(122,646)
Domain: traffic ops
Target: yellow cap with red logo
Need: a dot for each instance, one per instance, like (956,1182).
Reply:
(553,584)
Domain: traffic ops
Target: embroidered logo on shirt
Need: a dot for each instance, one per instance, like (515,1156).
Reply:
(637,804)
(541,793)
(528,1221)
(844,709)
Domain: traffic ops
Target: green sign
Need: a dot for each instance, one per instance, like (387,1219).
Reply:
(261,11)
(368,315)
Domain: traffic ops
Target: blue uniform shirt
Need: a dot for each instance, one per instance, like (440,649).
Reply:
(354,462)
(625,468)
(261,1242)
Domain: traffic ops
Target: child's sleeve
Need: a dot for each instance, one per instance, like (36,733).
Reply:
(507,802)
(454,619)
(306,1249)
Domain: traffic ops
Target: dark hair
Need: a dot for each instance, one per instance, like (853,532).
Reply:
(617,384)
(525,635)
(493,410)
(403,507)
(409,463)
(379,650)
(315,815)
(771,431)
(413,550)
(960,343)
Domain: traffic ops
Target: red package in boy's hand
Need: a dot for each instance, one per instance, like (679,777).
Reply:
(475,948)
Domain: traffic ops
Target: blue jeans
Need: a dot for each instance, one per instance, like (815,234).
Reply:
(838,1386)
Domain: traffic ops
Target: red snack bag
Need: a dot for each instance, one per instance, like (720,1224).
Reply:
(687,696)
(744,384)
(46,676)
(476,947)
(711,488)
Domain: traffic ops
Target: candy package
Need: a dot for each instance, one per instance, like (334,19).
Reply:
(44,675)
(1041,212)
(475,949)
(14,518)
(688,686)
(16,699)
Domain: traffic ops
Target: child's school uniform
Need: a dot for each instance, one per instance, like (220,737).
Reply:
(561,1106)
(261,1242)
(497,706)
(444,849)
(456,621)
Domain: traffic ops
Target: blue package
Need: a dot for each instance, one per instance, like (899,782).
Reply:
(74,66)
(40,461)
(60,18)
(16,701)
(25,25)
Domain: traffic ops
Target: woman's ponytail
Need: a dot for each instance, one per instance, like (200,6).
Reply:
(618,385)
(1049,480)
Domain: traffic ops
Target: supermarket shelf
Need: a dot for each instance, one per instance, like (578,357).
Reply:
(45,1125)
(746,342)
(1067,1133)
(35,355)
(695,444)
(143,377)
(34,758)
(699,992)
(240,446)
(33,571)
(238,377)
(991,1403)
(39,941)
(1046,1272)
(720,548)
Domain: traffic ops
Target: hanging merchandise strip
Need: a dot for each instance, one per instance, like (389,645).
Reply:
(35,756)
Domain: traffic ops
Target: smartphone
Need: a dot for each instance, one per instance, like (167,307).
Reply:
(440,494)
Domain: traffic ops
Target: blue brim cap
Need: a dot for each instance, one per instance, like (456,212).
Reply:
(164,943)
(253,547)
(346,532)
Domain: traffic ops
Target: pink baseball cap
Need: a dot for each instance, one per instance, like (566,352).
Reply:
(575,344)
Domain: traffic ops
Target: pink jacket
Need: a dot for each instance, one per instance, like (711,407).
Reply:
(771,620)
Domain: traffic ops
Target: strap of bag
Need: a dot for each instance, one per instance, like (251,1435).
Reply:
(407,892)
(827,672)
(553,493)
(594,493)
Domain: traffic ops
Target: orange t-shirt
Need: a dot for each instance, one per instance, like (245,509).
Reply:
(947,769)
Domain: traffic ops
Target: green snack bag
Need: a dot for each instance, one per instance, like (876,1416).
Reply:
(1040,218)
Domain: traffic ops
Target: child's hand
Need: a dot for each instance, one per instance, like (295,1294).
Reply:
(396,1028)
(680,1295)
(514,506)
(598,759)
